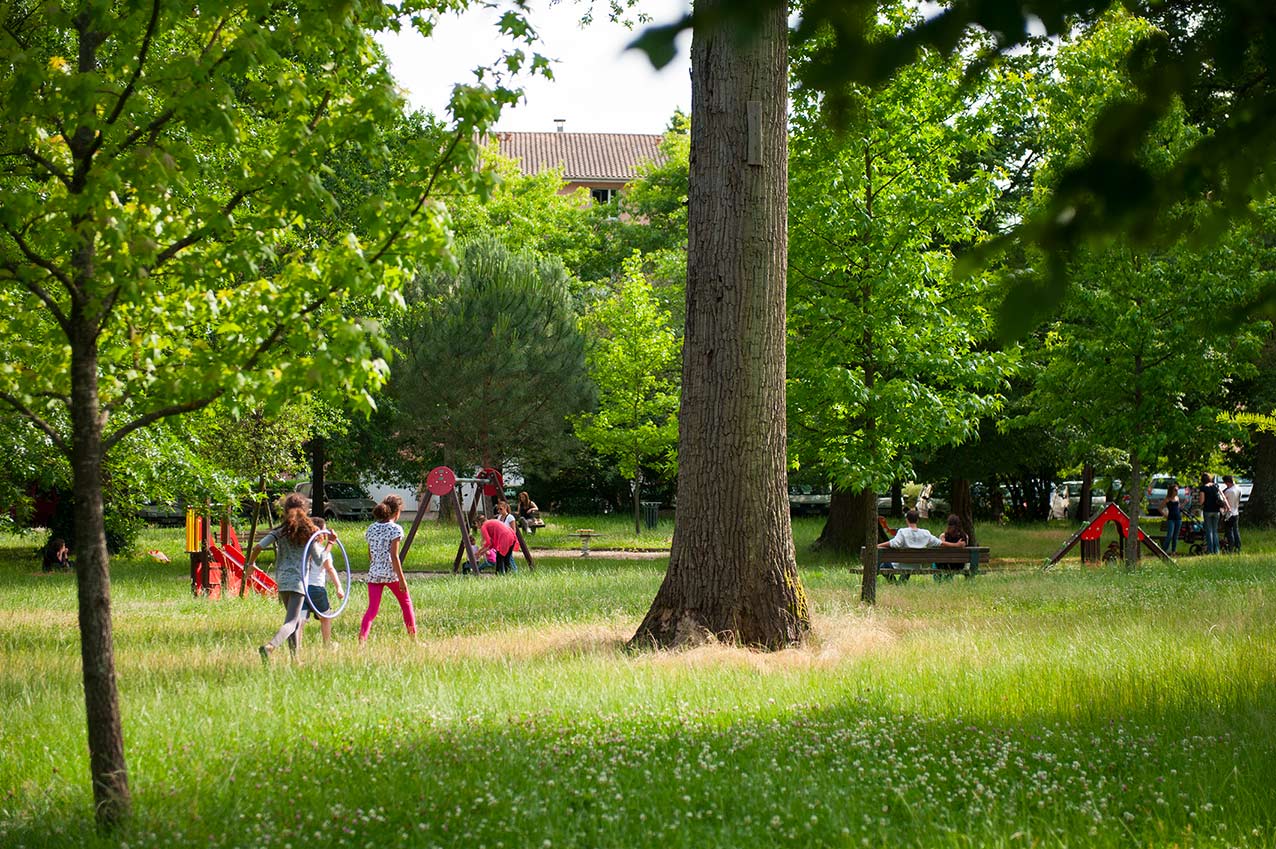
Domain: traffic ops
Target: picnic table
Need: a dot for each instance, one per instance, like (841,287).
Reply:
(585,535)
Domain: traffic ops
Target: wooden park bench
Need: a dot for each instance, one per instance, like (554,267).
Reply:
(930,561)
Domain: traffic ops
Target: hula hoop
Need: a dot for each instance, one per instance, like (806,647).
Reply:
(305,561)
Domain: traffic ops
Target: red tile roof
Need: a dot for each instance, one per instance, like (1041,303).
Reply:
(582,156)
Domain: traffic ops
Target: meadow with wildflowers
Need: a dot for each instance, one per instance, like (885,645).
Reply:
(1071,707)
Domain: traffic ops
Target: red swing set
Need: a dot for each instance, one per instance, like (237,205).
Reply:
(489,486)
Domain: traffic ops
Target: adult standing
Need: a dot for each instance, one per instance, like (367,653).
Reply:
(289,541)
(1172,508)
(1211,508)
(1231,514)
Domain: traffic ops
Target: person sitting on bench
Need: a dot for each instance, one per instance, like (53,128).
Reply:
(915,537)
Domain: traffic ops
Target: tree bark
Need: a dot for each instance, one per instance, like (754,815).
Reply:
(1085,501)
(318,484)
(1260,510)
(868,586)
(107,769)
(732,572)
(844,530)
(963,505)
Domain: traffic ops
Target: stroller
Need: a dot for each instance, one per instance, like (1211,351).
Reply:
(1192,534)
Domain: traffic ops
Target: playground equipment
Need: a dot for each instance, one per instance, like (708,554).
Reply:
(1091,535)
(489,485)
(217,563)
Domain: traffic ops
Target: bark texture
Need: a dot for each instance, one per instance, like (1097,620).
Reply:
(964,506)
(111,797)
(732,572)
(1260,510)
(845,529)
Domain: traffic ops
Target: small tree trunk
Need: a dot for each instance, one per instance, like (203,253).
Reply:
(732,571)
(868,586)
(318,485)
(107,769)
(897,500)
(1136,493)
(637,483)
(1085,501)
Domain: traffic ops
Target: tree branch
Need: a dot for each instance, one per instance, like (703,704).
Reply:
(30,153)
(40,423)
(33,287)
(398,231)
(141,63)
(199,232)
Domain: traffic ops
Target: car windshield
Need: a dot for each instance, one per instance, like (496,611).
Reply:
(344,490)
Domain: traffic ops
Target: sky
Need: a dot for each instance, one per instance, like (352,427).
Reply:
(598,86)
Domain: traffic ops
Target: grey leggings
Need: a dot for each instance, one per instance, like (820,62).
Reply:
(294,618)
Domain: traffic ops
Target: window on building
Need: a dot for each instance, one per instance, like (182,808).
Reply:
(602,195)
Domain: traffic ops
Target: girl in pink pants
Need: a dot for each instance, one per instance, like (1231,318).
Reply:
(384,566)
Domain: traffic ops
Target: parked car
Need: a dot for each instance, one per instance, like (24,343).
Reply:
(343,500)
(807,499)
(168,514)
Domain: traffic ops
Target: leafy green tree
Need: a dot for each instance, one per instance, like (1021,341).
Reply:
(887,348)
(490,360)
(650,217)
(633,363)
(159,175)
(1215,54)
(1139,340)
(525,212)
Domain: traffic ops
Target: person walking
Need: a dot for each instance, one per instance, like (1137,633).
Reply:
(1231,514)
(384,567)
(289,541)
(1173,511)
(1211,507)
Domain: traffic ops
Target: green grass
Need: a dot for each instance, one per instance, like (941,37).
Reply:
(1075,707)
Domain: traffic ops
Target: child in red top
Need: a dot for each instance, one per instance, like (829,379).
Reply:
(498,536)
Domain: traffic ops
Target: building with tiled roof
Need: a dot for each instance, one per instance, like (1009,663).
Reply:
(604,163)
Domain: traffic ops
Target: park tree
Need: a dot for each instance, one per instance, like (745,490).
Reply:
(1214,53)
(160,167)
(1139,339)
(732,572)
(490,361)
(632,361)
(888,349)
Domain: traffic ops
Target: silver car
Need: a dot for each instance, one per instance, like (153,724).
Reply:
(343,500)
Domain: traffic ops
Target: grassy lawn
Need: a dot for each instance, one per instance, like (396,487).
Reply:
(1071,707)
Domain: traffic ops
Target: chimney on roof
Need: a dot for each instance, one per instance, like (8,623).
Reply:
(560,123)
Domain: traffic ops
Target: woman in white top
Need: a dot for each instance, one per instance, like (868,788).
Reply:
(384,567)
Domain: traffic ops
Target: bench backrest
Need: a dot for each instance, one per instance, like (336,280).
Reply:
(974,556)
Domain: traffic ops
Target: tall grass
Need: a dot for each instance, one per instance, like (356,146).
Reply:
(1064,708)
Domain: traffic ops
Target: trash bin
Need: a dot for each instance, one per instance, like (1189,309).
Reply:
(650,512)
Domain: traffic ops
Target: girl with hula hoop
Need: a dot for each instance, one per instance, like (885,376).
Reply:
(317,576)
(290,541)
(384,567)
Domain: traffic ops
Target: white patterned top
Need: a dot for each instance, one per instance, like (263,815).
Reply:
(379,536)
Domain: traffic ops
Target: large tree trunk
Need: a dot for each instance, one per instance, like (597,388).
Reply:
(845,529)
(1260,510)
(732,571)
(963,505)
(107,770)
